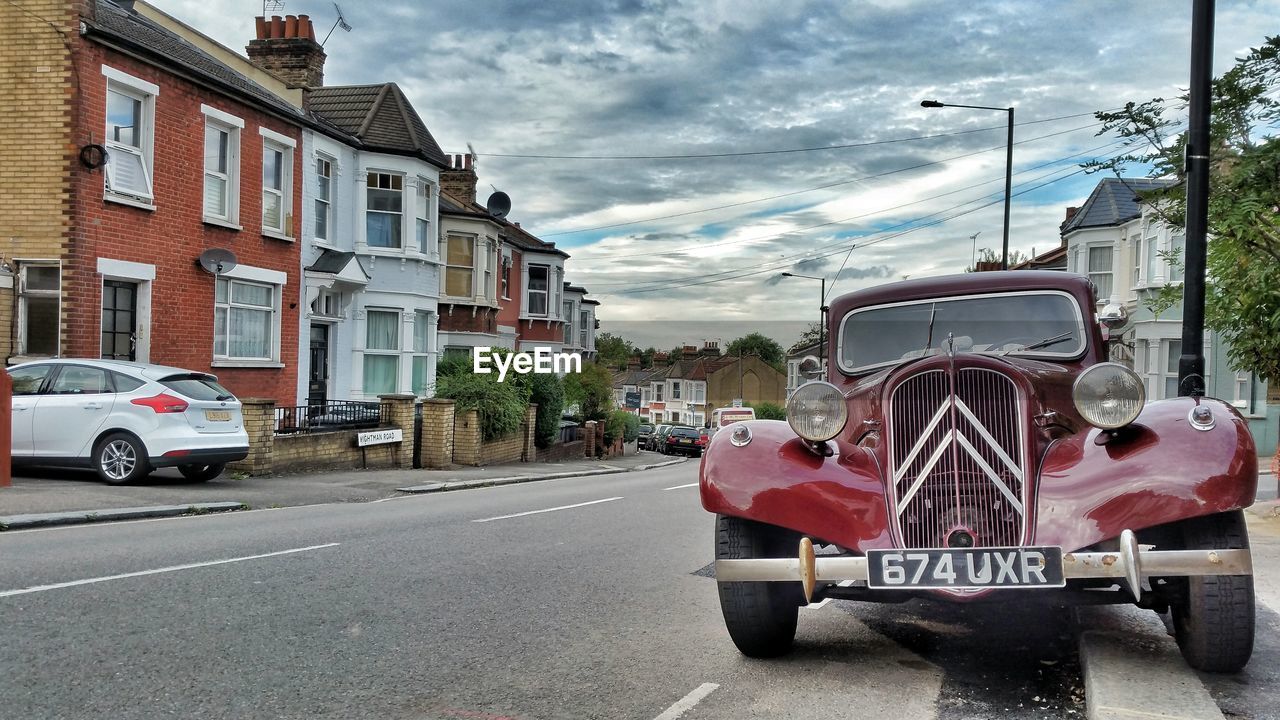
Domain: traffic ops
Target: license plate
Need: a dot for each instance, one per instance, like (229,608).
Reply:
(217,415)
(965,568)
(685,441)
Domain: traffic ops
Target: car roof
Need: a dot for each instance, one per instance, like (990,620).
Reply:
(147,370)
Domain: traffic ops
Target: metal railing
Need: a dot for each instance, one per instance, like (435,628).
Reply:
(328,415)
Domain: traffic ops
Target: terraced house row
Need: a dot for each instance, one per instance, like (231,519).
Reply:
(166,199)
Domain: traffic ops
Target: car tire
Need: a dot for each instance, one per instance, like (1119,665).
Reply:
(760,616)
(1213,621)
(120,458)
(201,473)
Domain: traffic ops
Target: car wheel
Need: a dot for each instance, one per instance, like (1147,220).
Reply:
(1213,621)
(201,473)
(120,458)
(760,616)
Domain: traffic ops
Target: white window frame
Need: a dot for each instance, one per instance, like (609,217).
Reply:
(529,291)
(1110,272)
(1182,256)
(324,206)
(505,277)
(146,93)
(382,352)
(424,199)
(1167,358)
(568,325)
(275,142)
(1152,271)
(1135,250)
(584,333)
(657,391)
(231,125)
(273,343)
(399,245)
(675,390)
(1243,394)
(444,286)
(489,289)
(421,322)
(24,294)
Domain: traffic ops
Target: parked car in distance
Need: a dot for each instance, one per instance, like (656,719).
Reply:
(972,443)
(124,419)
(683,440)
(659,438)
(646,434)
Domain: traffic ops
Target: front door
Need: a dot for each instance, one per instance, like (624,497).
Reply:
(119,320)
(318,386)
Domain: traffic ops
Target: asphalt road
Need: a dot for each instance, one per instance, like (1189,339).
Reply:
(573,598)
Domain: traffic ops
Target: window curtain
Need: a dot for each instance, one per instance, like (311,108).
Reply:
(250,333)
(381,331)
(381,371)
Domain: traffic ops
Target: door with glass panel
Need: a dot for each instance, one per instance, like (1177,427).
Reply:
(119,320)
(318,385)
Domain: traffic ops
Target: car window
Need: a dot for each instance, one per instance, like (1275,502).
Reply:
(197,387)
(80,380)
(124,383)
(685,432)
(1033,323)
(27,380)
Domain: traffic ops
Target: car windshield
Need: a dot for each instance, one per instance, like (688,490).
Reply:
(1045,324)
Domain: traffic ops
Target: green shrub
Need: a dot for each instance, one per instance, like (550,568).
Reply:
(548,392)
(500,406)
(769,411)
(591,390)
(632,430)
(453,364)
(615,426)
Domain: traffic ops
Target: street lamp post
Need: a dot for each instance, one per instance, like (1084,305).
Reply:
(822,319)
(1008,167)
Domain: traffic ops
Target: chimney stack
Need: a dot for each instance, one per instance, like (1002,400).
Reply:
(460,179)
(287,48)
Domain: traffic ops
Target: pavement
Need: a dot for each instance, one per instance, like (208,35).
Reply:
(43,497)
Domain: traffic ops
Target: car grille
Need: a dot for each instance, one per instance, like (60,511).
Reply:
(957,458)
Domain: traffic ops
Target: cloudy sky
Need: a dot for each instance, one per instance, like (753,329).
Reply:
(806,116)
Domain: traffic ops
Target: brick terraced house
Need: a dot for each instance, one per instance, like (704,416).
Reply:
(138,150)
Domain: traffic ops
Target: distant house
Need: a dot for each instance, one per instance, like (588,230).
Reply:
(1120,242)
(803,365)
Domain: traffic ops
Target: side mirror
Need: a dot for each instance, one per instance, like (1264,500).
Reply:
(1113,316)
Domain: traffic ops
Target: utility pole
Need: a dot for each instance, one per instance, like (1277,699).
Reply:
(1191,363)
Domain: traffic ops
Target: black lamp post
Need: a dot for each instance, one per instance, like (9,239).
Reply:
(1008,167)
(822,318)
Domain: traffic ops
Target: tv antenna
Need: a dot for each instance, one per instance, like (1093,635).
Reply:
(973,256)
(272,6)
(340,23)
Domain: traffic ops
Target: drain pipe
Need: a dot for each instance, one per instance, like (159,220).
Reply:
(1191,363)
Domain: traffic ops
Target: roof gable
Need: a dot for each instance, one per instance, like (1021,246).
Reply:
(380,117)
(1113,202)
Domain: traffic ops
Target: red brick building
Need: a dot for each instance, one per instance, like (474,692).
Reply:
(179,153)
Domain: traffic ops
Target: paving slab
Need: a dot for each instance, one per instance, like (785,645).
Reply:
(1133,670)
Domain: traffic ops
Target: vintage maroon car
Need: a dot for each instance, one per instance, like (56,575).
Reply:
(972,443)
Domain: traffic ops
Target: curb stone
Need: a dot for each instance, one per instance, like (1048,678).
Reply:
(77,517)
(512,480)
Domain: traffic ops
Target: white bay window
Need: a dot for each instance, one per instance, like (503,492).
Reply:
(382,352)
(384,210)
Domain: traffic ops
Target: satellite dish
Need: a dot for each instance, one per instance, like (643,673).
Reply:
(498,204)
(217,260)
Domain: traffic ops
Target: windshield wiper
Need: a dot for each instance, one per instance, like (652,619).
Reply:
(928,341)
(1051,340)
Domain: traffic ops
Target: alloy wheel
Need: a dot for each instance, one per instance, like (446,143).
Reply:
(119,459)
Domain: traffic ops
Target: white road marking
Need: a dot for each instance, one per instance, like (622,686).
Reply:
(678,487)
(547,510)
(687,702)
(173,568)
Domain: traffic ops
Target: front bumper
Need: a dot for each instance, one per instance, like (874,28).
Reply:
(1129,565)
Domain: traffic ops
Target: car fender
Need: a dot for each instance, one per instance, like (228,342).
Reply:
(1158,470)
(776,479)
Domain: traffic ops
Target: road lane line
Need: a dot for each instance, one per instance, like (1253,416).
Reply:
(687,702)
(679,487)
(547,510)
(172,568)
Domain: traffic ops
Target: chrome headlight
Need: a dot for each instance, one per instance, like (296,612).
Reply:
(1109,395)
(816,411)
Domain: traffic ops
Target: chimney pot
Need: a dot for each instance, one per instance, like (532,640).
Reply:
(277,26)
(304,27)
(291,26)
(260,25)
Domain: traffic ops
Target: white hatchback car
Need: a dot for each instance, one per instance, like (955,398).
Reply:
(124,419)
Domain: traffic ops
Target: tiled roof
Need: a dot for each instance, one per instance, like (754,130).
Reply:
(331,261)
(1055,259)
(453,205)
(380,116)
(1112,202)
(115,24)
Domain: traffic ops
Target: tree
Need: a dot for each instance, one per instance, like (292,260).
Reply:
(766,348)
(811,336)
(613,350)
(547,390)
(1242,300)
(987,255)
(591,390)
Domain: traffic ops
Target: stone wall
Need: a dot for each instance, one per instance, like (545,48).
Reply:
(470,449)
(270,453)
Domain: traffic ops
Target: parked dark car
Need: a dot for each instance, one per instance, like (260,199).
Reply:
(659,439)
(646,434)
(971,443)
(683,440)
